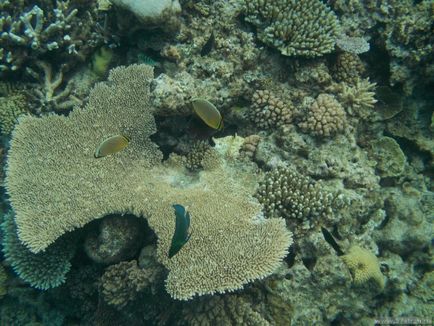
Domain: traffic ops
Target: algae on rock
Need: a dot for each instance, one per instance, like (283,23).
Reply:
(390,158)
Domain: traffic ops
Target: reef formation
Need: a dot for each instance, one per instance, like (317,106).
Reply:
(296,134)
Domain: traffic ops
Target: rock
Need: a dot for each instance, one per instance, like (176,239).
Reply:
(150,11)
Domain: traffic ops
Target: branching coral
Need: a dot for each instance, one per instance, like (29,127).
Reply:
(3,279)
(352,45)
(268,111)
(403,28)
(325,117)
(297,28)
(348,68)
(49,27)
(53,93)
(194,159)
(121,282)
(286,193)
(53,157)
(43,270)
(359,98)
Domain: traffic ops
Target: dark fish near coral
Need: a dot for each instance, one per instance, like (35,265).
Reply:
(208,46)
(390,102)
(181,235)
(208,113)
(111,145)
(331,241)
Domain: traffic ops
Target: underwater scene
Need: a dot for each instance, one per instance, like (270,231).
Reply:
(216,162)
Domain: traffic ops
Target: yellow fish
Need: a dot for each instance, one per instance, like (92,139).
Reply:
(208,113)
(111,145)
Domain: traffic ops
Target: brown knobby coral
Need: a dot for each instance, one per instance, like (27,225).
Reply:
(325,117)
(268,111)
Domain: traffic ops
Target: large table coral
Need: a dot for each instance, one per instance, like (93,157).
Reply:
(57,185)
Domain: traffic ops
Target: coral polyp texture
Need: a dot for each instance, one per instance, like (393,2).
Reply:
(364,266)
(268,111)
(359,98)
(295,27)
(121,282)
(348,68)
(325,117)
(44,270)
(57,185)
(11,107)
(284,192)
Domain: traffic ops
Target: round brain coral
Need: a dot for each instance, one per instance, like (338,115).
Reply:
(364,266)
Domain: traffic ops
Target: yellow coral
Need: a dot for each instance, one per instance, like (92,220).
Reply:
(364,266)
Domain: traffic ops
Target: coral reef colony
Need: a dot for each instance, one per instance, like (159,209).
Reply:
(281,151)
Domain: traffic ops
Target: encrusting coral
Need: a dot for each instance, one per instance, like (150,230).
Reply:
(390,158)
(295,27)
(325,117)
(120,283)
(364,266)
(53,157)
(118,238)
(3,279)
(11,107)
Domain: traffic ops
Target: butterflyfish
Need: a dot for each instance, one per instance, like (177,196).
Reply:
(111,145)
(208,113)
(181,235)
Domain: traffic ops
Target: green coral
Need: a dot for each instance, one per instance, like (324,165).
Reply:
(3,279)
(101,61)
(43,270)
(295,27)
(11,107)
